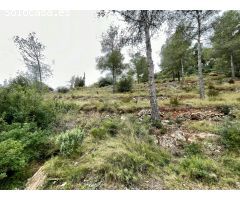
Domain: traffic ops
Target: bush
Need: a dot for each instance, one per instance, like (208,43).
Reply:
(125,84)
(20,81)
(62,89)
(225,109)
(200,169)
(231,81)
(79,82)
(193,149)
(105,81)
(69,141)
(174,101)
(36,143)
(231,135)
(213,93)
(18,104)
(12,157)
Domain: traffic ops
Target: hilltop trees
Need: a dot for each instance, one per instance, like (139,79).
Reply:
(112,60)
(32,52)
(199,22)
(226,39)
(175,53)
(141,25)
(77,81)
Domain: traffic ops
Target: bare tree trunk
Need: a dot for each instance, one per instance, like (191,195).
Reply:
(152,88)
(40,73)
(232,68)
(178,76)
(200,73)
(114,80)
(182,67)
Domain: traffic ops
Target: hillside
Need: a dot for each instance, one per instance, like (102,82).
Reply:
(195,147)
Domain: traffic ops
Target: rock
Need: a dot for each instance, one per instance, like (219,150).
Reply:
(178,135)
(123,117)
(196,116)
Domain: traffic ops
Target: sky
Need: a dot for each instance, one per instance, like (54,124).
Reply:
(72,41)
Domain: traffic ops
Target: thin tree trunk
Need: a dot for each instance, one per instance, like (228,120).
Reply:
(152,88)
(178,76)
(182,67)
(173,76)
(232,68)
(200,73)
(114,80)
(40,73)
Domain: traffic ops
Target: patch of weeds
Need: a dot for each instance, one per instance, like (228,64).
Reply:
(212,93)
(107,127)
(174,101)
(200,169)
(206,126)
(230,133)
(193,149)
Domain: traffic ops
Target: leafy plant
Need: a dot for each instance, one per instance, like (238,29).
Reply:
(12,157)
(69,141)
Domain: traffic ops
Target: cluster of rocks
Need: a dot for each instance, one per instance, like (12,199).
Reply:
(174,141)
(215,116)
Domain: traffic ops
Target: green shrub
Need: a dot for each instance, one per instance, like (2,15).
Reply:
(99,133)
(18,104)
(225,109)
(200,169)
(36,142)
(193,149)
(111,126)
(20,80)
(62,89)
(12,157)
(174,101)
(231,135)
(69,141)
(213,93)
(125,84)
(105,82)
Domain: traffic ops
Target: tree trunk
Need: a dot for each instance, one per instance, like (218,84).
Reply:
(40,73)
(178,76)
(114,80)
(182,67)
(232,68)
(173,76)
(200,73)
(138,78)
(152,88)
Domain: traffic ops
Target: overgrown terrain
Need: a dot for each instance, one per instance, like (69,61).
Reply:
(100,140)
(133,128)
